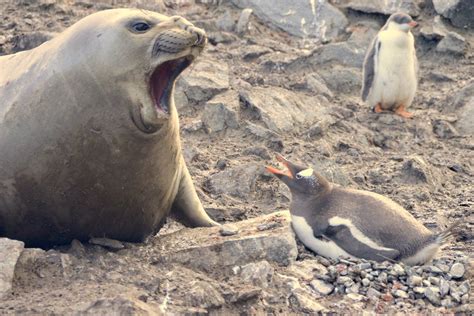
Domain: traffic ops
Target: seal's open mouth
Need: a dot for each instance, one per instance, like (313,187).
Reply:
(163,78)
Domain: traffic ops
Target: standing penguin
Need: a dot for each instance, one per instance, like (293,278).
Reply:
(337,222)
(390,67)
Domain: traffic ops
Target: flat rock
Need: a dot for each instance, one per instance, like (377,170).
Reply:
(434,30)
(120,305)
(305,302)
(465,124)
(10,251)
(452,43)
(342,79)
(384,7)
(280,109)
(457,270)
(416,170)
(273,140)
(317,19)
(204,80)
(317,85)
(342,53)
(237,181)
(221,112)
(459,12)
(322,287)
(207,250)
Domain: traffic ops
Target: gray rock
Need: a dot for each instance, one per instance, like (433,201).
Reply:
(280,109)
(419,290)
(342,79)
(10,251)
(258,273)
(273,140)
(365,282)
(414,280)
(316,84)
(303,19)
(238,181)
(443,288)
(29,41)
(355,297)
(204,294)
(435,30)
(343,53)
(384,7)
(400,294)
(244,19)
(208,251)
(322,287)
(307,269)
(120,306)
(444,129)
(432,294)
(434,280)
(373,293)
(304,301)
(465,124)
(225,22)
(453,43)
(220,112)
(416,171)
(398,269)
(457,270)
(228,230)
(204,80)
(259,151)
(459,12)
(254,51)
(107,243)
(447,302)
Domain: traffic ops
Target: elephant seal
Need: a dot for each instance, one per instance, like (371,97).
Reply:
(89,132)
(339,222)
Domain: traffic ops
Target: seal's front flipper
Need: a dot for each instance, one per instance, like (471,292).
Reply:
(187,207)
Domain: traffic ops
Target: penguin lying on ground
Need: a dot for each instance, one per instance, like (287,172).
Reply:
(337,222)
(390,67)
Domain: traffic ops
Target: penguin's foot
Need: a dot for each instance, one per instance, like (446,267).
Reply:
(377,108)
(401,111)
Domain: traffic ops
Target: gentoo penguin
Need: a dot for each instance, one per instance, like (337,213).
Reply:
(390,67)
(338,222)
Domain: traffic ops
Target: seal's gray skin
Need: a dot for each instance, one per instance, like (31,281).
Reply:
(390,67)
(89,132)
(338,222)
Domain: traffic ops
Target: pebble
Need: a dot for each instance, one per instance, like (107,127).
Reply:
(322,287)
(373,293)
(228,230)
(419,290)
(355,297)
(400,294)
(443,288)
(432,294)
(457,270)
(414,280)
(398,269)
(433,280)
(365,282)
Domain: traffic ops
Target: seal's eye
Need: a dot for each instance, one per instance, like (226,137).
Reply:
(140,27)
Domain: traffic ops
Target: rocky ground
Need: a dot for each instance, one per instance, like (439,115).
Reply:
(276,77)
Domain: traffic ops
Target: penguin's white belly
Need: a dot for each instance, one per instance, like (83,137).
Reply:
(325,248)
(395,77)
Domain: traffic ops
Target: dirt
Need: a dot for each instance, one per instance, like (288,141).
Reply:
(360,149)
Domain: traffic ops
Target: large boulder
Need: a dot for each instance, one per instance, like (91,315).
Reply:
(316,19)
(279,109)
(459,12)
(384,6)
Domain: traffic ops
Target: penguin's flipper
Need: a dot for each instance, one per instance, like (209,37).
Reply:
(344,238)
(369,67)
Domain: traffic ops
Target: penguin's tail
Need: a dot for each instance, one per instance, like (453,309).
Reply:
(444,236)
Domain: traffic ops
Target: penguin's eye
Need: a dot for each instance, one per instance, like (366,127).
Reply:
(298,176)
(304,173)
(140,27)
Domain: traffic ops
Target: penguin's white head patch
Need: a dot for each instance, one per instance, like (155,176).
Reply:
(305,173)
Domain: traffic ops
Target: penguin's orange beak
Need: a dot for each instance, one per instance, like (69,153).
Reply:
(413,24)
(286,172)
